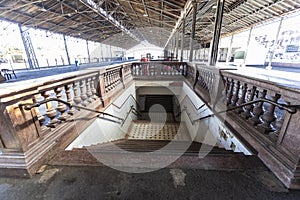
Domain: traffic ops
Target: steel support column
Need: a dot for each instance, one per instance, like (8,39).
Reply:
(110,53)
(101,47)
(248,42)
(229,50)
(66,47)
(217,31)
(182,39)
(193,31)
(269,67)
(177,44)
(88,51)
(30,53)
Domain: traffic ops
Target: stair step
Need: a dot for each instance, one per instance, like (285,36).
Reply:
(163,100)
(153,145)
(216,159)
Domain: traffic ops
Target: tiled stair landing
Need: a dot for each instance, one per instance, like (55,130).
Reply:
(141,130)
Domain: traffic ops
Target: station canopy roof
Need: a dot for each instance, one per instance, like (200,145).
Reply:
(126,23)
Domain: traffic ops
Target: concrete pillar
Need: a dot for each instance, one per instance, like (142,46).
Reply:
(88,51)
(66,47)
(269,67)
(193,31)
(217,31)
(182,39)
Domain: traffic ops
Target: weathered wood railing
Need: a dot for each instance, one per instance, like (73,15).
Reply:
(26,136)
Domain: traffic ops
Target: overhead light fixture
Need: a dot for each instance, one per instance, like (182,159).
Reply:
(145,15)
(214,7)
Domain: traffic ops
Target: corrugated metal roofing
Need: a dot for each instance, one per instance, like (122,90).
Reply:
(125,23)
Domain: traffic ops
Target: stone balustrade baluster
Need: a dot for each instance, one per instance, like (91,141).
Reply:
(115,79)
(249,108)
(206,80)
(83,95)
(113,85)
(93,89)
(278,126)
(68,89)
(50,111)
(242,99)
(138,70)
(105,77)
(118,78)
(40,117)
(236,93)
(226,89)
(89,92)
(269,117)
(210,78)
(61,107)
(133,69)
(110,80)
(230,92)
(77,98)
(258,110)
(107,81)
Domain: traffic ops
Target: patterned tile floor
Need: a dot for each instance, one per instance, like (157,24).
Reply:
(158,131)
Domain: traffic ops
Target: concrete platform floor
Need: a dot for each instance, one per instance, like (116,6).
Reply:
(99,182)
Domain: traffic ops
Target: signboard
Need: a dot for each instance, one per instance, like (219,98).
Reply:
(291,48)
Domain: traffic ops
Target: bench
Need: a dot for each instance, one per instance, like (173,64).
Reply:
(7,73)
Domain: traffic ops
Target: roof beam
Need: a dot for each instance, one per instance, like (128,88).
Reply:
(92,5)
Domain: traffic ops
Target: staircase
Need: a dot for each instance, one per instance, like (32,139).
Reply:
(156,138)
(153,143)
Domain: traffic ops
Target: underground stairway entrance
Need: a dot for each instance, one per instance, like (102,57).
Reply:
(154,140)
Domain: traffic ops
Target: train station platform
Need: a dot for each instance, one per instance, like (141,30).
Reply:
(100,182)
(289,77)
